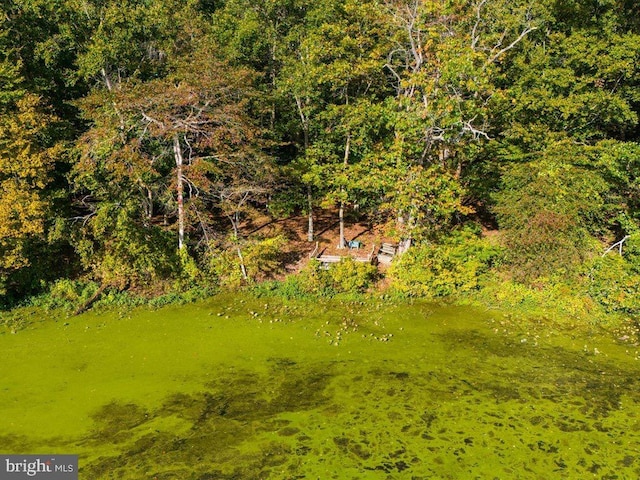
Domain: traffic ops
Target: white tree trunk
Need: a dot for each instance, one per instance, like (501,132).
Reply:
(243,268)
(235,222)
(177,153)
(347,149)
(150,204)
(310,232)
(304,121)
(342,243)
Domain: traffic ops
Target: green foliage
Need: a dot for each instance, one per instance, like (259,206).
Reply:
(349,276)
(68,295)
(285,203)
(346,277)
(553,301)
(314,280)
(287,289)
(574,82)
(631,249)
(619,163)
(261,260)
(190,271)
(311,281)
(65,294)
(119,250)
(13,321)
(415,115)
(548,208)
(614,282)
(438,270)
(182,297)
(427,199)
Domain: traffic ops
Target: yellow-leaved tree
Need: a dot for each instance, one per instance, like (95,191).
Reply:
(26,164)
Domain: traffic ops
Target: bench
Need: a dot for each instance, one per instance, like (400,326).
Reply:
(387,252)
(388,249)
(327,260)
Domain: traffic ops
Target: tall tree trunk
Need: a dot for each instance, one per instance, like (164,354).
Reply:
(235,222)
(274,77)
(347,149)
(342,243)
(243,268)
(304,121)
(177,153)
(150,205)
(310,206)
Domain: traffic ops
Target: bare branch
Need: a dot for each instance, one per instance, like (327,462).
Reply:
(303,118)
(84,218)
(203,225)
(151,120)
(474,31)
(523,34)
(192,186)
(190,148)
(468,127)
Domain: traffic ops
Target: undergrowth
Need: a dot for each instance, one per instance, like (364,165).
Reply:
(69,295)
(346,279)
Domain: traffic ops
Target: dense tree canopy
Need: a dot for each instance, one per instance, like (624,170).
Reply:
(130,130)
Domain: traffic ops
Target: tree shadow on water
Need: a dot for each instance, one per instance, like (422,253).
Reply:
(223,431)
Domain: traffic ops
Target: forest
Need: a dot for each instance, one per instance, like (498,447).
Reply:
(140,138)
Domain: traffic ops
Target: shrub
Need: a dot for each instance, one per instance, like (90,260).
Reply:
(631,251)
(349,276)
(288,289)
(556,301)
(66,294)
(549,209)
(181,297)
(311,281)
(615,284)
(316,281)
(263,258)
(438,270)
(260,258)
(549,243)
(190,273)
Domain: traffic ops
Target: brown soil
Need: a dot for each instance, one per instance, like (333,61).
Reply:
(327,235)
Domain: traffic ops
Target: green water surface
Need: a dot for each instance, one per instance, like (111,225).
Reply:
(243,388)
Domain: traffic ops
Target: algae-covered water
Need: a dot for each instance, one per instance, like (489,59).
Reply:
(242,388)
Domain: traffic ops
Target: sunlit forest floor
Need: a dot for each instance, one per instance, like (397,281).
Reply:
(326,233)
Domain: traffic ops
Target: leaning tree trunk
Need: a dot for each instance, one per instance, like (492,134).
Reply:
(177,153)
(86,305)
(235,223)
